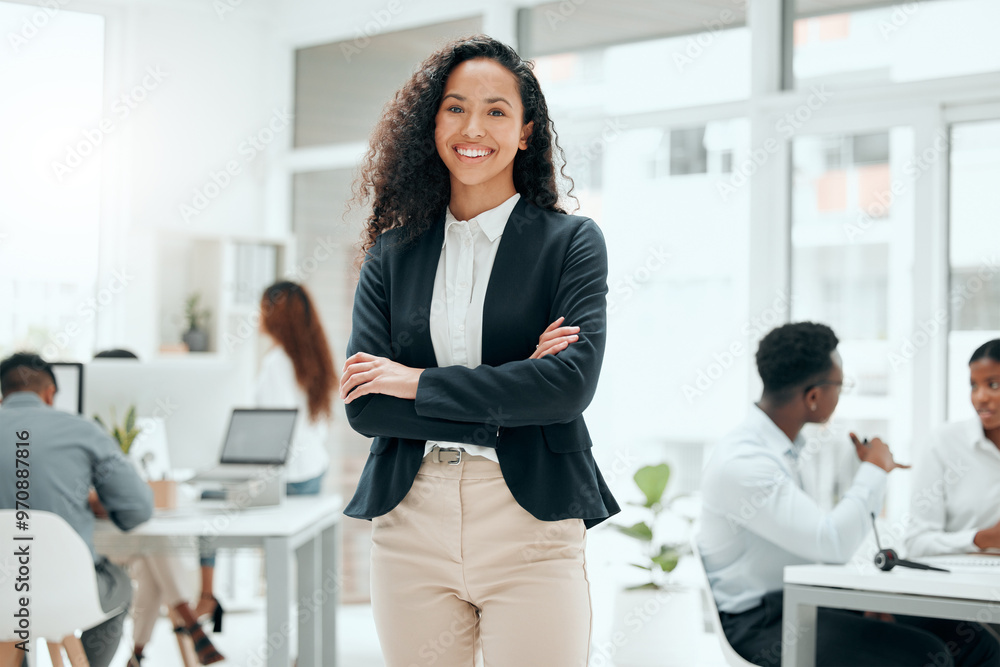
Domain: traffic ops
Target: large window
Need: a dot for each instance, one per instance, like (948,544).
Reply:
(852,230)
(903,42)
(974,252)
(50,174)
(676,222)
(648,76)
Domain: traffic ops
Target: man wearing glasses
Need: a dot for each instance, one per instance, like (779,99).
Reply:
(756,519)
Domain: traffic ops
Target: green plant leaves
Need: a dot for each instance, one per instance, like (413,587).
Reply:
(667,558)
(652,481)
(123,434)
(650,586)
(640,531)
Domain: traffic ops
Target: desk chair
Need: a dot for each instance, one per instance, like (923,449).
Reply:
(63,594)
(733,659)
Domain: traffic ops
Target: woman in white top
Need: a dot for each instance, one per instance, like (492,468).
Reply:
(297,372)
(955,506)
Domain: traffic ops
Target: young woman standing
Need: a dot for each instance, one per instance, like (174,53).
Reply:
(480,482)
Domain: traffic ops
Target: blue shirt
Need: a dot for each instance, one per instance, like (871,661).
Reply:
(67,455)
(756,519)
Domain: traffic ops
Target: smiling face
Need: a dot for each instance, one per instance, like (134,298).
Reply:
(479,130)
(984,375)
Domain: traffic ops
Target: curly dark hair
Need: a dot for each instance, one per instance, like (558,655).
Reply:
(403,178)
(795,355)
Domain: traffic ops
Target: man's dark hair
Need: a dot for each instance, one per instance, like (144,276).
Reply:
(25,371)
(988,350)
(794,355)
(116,353)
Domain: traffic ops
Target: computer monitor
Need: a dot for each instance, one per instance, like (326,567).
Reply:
(193,396)
(69,379)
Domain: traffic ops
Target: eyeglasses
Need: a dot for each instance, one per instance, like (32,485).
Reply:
(845,386)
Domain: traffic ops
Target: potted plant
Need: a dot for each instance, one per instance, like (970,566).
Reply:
(123,434)
(196,336)
(164,491)
(655,620)
(659,558)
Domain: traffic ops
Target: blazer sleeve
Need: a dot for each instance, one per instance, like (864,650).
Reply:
(554,389)
(379,415)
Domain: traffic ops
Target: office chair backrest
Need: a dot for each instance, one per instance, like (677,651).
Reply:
(60,569)
(733,658)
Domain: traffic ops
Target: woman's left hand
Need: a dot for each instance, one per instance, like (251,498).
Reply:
(367,374)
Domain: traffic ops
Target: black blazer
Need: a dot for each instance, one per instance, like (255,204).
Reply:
(547,265)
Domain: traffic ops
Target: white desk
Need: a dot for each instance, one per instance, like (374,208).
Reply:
(303,525)
(961,595)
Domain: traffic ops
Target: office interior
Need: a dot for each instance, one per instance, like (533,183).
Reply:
(749,164)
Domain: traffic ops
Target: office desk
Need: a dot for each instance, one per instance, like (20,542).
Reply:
(961,595)
(307,526)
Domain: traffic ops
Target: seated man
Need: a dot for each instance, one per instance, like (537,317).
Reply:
(69,455)
(756,519)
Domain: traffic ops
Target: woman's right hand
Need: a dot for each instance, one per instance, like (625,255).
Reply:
(555,339)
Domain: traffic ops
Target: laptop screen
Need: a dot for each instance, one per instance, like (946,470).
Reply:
(259,436)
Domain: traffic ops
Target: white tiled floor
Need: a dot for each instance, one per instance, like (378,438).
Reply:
(358,643)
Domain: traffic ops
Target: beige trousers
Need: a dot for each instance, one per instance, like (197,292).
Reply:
(159,580)
(458,567)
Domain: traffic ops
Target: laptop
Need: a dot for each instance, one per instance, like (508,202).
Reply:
(257,439)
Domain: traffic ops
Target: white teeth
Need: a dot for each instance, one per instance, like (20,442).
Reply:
(473,153)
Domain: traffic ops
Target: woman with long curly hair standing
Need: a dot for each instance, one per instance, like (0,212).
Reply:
(478,334)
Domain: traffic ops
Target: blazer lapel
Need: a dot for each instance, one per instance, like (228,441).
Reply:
(509,292)
(411,330)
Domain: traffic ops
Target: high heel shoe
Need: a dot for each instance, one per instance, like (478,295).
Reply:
(217,612)
(207,653)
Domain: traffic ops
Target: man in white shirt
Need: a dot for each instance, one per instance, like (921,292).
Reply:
(756,519)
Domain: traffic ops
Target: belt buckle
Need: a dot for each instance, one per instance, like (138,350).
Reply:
(451,450)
